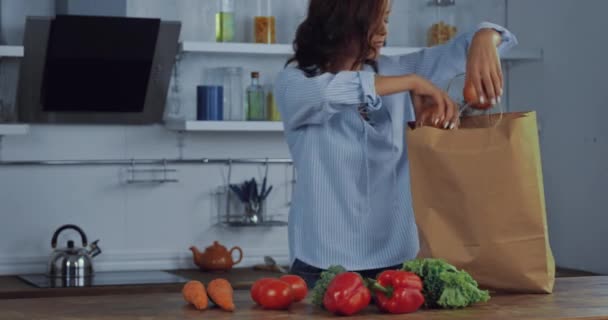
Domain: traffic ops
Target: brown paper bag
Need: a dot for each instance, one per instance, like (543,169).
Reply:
(479,200)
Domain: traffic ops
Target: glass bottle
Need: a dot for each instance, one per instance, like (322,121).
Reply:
(224,22)
(264,23)
(444,27)
(256,99)
(174,106)
(273,111)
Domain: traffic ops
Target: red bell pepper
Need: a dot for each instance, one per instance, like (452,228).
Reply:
(398,291)
(346,294)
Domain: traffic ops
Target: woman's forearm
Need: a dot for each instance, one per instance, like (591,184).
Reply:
(488,35)
(387,85)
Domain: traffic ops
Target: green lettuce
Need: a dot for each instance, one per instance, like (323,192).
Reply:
(444,286)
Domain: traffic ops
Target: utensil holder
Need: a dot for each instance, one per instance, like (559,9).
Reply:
(254,212)
(233,212)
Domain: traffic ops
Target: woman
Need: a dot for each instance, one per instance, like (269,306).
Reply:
(345,109)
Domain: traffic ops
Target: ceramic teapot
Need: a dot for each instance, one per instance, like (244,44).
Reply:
(216,257)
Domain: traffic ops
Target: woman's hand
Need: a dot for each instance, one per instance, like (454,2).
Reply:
(433,106)
(484,71)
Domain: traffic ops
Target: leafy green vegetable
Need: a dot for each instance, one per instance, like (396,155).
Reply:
(430,271)
(444,286)
(460,290)
(318,292)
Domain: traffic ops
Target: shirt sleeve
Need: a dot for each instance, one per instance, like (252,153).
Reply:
(441,63)
(306,100)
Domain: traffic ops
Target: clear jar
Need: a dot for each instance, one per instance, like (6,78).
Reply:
(444,27)
(233,94)
(264,23)
(224,21)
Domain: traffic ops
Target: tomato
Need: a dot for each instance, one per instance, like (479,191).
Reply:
(255,289)
(275,294)
(298,286)
(470,96)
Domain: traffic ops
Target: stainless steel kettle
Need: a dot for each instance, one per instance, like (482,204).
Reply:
(72,263)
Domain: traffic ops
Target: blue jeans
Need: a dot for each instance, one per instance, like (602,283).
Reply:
(311,274)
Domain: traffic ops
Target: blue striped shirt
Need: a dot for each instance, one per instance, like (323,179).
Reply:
(352,203)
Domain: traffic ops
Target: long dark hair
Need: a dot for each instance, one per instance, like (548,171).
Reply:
(334,29)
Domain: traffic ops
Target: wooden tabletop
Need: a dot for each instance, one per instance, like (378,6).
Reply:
(580,298)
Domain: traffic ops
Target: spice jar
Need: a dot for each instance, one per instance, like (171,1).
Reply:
(444,28)
(264,23)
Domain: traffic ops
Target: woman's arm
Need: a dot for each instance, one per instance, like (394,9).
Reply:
(483,69)
(477,52)
(387,85)
(442,63)
(443,106)
(313,100)
(306,100)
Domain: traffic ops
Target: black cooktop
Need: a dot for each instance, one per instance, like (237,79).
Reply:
(114,278)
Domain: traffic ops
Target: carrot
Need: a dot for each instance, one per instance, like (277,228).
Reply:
(194,293)
(221,293)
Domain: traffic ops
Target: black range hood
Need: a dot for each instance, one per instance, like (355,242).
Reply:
(96,69)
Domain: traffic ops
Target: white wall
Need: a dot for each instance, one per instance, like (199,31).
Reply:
(151,227)
(13,13)
(568,89)
(91,7)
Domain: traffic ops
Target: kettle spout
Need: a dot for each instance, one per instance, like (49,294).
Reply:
(95,249)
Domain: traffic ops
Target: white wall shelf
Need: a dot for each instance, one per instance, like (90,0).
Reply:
(11,51)
(236,48)
(282,50)
(225,126)
(286,49)
(13,129)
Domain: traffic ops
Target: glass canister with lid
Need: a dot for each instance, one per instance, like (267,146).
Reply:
(443,27)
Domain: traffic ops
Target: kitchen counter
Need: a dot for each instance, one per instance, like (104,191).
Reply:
(580,297)
(12,287)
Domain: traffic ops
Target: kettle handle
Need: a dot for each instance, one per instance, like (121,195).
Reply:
(240,254)
(69,226)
